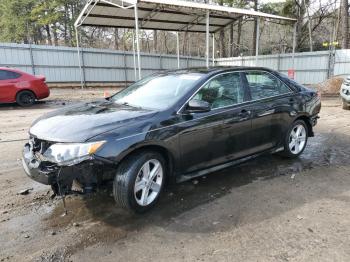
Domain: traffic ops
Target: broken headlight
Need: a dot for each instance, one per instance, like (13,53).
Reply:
(71,154)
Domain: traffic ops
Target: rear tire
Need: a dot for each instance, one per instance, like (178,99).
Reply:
(139,181)
(25,98)
(295,140)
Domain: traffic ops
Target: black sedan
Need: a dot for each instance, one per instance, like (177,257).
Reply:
(170,126)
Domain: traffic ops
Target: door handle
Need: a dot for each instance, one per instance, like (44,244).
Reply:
(244,113)
(237,117)
(291,100)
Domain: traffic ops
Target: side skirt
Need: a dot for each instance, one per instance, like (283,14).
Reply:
(188,176)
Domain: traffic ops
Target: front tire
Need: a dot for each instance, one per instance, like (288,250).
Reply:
(25,98)
(139,181)
(295,140)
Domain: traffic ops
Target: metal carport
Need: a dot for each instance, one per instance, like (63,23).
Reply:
(177,16)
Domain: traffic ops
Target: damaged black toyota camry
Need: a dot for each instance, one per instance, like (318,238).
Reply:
(170,126)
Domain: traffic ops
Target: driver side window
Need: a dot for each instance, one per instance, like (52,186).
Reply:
(223,90)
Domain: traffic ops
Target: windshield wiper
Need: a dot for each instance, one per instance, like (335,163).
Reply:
(127,104)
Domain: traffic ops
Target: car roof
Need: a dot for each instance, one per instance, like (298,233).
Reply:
(216,69)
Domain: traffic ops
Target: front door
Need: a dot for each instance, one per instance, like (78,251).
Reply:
(215,137)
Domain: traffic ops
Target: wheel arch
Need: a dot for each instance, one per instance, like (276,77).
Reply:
(306,120)
(166,153)
(25,89)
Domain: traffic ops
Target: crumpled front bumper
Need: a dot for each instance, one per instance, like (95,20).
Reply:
(89,173)
(36,169)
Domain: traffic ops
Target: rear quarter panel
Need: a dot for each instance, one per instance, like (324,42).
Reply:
(31,83)
(40,88)
(311,100)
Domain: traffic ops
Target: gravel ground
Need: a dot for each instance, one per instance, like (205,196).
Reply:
(268,209)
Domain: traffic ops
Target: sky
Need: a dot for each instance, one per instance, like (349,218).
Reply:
(314,6)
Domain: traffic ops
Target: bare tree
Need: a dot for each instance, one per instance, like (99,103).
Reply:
(155,41)
(184,42)
(222,38)
(344,9)
(309,24)
(239,34)
(116,39)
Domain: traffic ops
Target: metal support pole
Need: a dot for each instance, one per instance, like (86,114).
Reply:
(207,39)
(294,43)
(160,62)
(134,55)
(83,66)
(213,47)
(178,49)
(79,61)
(31,57)
(257,41)
(125,70)
(137,40)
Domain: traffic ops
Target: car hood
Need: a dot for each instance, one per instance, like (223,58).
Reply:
(83,121)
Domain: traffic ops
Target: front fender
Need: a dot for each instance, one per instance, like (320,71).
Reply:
(117,148)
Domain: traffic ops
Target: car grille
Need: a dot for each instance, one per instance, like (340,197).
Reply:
(39,145)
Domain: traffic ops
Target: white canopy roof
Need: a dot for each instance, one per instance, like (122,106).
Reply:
(169,15)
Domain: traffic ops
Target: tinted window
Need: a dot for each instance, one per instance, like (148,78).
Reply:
(157,91)
(223,90)
(4,75)
(291,81)
(263,84)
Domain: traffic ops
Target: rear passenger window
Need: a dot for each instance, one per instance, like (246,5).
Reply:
(222,91)
(263,85)
(4,75)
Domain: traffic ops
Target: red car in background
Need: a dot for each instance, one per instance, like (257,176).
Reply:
(20,87)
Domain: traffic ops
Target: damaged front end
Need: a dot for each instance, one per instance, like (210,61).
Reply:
(59,164)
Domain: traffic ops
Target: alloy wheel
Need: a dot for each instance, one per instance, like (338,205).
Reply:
(27,99)
(148,182)
(297,139)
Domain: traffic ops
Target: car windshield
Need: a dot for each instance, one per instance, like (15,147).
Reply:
(157,91)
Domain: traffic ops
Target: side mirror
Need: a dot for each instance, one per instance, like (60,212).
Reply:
(197,106)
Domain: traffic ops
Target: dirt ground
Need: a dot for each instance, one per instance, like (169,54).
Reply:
(268,209)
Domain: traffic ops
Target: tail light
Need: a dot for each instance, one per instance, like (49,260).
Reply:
(41,77)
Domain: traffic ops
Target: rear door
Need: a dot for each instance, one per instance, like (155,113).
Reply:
(222,134)
(8,80)
(273,103)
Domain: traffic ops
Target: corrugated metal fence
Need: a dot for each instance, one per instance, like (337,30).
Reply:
(60,64)
(310,67)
